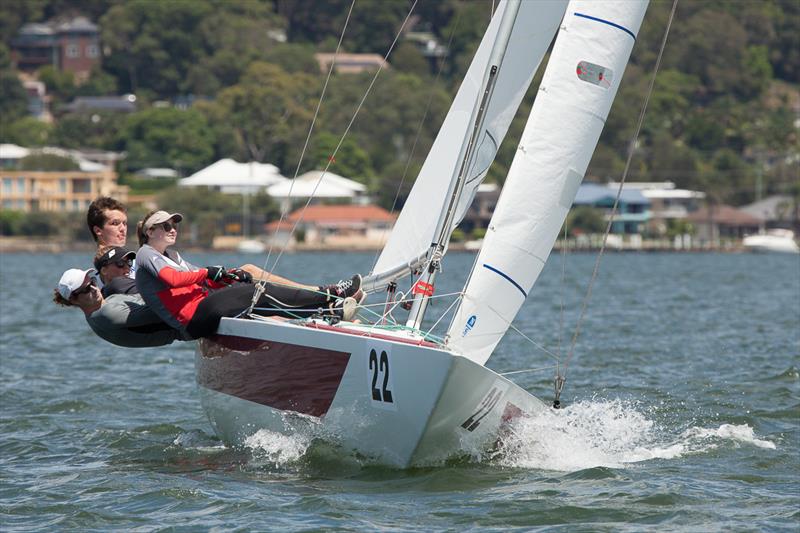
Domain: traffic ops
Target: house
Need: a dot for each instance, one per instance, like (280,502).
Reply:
(633,210)
(667,203)
(351,63)
(71,45)
(125,103)
(322,186)
(231,177)
(56,190)
(336,226)
(722,222)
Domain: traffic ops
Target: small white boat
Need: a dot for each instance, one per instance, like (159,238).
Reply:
(773,240)
(251,246)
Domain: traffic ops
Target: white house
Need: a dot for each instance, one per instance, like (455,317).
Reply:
(231,177)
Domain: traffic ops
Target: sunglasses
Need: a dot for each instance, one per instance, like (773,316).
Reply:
(83,290)
(121,263)
(169,226)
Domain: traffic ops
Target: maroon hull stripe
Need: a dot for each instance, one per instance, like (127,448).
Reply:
(289,377)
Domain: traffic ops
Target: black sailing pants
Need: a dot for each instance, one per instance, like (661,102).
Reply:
(289,302)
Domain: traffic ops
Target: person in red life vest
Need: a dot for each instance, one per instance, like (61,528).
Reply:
(193,300)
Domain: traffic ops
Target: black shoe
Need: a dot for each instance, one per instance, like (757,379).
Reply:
(344,288)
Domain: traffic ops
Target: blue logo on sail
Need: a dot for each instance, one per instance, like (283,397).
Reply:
(470,324)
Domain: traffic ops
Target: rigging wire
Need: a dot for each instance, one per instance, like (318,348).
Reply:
(346,131)
(419,132)
(261,282)
(561,377)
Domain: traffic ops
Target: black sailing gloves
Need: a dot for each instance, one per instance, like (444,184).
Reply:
(220,275)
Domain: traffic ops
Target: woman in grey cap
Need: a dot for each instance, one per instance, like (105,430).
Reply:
(193,300)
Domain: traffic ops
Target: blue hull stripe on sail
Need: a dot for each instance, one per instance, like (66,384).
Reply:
(507,277)
(623,28)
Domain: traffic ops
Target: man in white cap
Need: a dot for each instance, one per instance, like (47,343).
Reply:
(121,319)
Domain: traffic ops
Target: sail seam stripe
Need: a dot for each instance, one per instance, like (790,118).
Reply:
(604,21)
(507,277)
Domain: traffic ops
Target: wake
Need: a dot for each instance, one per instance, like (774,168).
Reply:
(608,433)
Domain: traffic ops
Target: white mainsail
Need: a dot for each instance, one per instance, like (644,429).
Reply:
(577,90)
(533,30)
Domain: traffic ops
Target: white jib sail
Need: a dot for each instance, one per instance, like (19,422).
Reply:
(533,31)
(582,77)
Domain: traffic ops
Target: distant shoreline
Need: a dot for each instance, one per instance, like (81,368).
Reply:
(41,245)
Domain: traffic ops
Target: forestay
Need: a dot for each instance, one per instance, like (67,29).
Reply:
(577,90)
(533,30)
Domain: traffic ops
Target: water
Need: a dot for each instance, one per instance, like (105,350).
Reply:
(682,413)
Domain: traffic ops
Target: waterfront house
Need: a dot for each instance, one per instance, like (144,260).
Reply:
(633,211)
(716,223)
(346,227)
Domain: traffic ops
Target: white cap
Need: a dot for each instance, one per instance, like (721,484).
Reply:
(72,280)
(160,217)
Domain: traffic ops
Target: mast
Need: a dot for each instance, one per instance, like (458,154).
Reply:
(423,288)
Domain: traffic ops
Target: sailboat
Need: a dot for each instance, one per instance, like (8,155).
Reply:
(389,391)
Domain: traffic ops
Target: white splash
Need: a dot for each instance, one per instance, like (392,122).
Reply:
(607,433)
(277,448)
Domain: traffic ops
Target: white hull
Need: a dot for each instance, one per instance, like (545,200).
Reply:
(782,242)
(394,399)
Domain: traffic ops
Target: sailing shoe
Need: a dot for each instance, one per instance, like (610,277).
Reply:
(344,288)
(344,308)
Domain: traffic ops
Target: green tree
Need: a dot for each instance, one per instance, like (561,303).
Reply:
(585,219)
(166,137)
(97,130)
(268,111)
(27,131)
(60,83)
(351,160)
(204,209)
(44,161)
(13,98)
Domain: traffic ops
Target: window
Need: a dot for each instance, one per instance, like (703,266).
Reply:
(73,50)
(7,185)
(92,51)
(21,185)
(62,185)
(76,205)
(62,205)
(81,185)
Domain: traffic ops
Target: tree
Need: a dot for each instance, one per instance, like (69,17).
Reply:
(268,111)
(167,137)
(584,219)
(44,161)
(13,98)
(26,131)
(351,160)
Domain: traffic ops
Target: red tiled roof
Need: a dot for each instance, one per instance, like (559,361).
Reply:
(343,213)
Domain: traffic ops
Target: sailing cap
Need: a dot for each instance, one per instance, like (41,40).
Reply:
(114,253)
(72,280)
(159,217)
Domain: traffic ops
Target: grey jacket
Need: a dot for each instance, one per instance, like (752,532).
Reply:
(125,320)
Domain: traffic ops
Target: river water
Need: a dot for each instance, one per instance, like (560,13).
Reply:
(682,412)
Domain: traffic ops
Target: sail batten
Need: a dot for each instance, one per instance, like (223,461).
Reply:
(582,77)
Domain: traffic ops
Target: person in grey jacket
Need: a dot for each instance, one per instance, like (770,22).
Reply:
(121,319)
